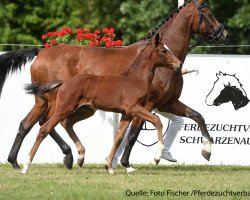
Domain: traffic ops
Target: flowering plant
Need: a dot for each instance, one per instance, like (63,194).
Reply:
(104,38)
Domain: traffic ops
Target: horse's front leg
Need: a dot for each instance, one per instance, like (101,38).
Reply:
(123,125)
(178,108)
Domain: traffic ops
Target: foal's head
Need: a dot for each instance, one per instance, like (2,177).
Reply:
(162,55)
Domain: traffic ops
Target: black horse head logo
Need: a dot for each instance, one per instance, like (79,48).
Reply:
(227,88)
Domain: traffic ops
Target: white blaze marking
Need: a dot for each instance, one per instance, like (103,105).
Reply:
(166,47)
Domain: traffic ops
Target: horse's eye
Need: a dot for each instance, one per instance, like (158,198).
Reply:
(164,51)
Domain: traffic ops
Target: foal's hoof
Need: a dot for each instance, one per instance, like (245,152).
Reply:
(109,170)
(80,161)
(68,161)
(156,161)
(206,154)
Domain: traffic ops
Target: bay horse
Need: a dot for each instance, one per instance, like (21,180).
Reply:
(64,61)
(125,93)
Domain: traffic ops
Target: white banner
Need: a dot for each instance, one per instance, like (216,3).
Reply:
(224,78)
(220,79)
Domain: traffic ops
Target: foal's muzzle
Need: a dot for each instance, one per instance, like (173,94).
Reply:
(177,65)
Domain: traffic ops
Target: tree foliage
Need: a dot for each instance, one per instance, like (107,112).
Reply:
(25,22)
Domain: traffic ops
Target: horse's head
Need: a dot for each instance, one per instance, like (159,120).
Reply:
(206,24)
(162,55)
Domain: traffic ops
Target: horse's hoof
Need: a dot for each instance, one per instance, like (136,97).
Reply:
(109,170)
(125,164)
(156,161)
(80,161)
(206,154)
(68,161)
(130,169)
(14,164)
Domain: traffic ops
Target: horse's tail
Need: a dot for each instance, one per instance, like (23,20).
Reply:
(13,61)
(41,88)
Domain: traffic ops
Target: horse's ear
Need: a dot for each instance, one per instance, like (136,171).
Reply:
(157,39)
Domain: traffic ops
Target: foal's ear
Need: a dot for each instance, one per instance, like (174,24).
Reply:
(157,39)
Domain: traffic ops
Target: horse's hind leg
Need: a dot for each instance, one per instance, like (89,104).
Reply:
(178,108)
(45,129)
(81,113)
(25,126)
(123,125)
(68,159)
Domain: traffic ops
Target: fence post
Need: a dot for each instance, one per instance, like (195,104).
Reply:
(180,2)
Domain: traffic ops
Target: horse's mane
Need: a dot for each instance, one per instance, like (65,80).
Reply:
(151,32)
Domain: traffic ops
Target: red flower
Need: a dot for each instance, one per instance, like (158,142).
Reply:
(44,36)
(108,44)
(79,31)
(82,37)
(54,41)
(86,30)
(117,43)
(111,32)
(93,44)
(106,39)
(78,39)
(105,30)
(47,45)
(97,32)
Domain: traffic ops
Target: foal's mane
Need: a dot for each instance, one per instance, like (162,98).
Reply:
(151,32)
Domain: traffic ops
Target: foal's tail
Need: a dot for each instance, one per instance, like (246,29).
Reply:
(41,88)
(13,61)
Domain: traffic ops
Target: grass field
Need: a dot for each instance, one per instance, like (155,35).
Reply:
(53,181)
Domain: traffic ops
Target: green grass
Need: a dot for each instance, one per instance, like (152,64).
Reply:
(53,181)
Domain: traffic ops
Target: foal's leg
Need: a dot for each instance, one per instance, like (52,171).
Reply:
(63,107)
(135,128)
(123,125)
(178,108)
(144,114)
(81,113)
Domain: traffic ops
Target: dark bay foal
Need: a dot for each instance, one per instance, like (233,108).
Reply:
(125,93)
